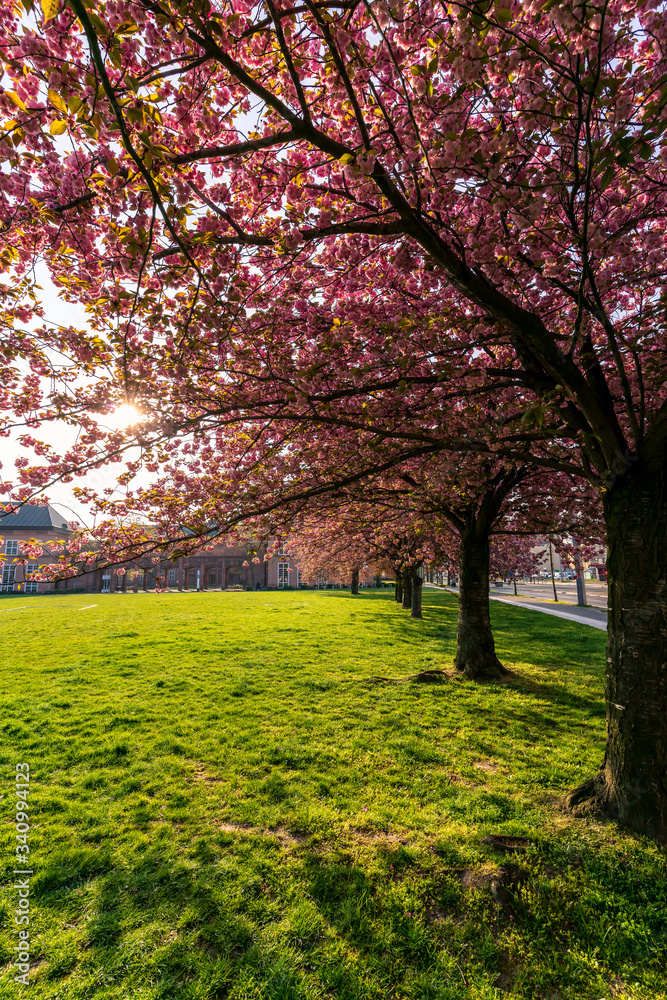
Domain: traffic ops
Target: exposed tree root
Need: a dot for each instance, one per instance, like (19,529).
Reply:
(506,844)
(423,677)
(590,798)
(487,669)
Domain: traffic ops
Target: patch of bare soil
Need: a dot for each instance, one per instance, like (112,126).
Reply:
(209,949)
(201,774)
(487,765)
(376,838)
(506,973)
(457,779)
(285,837)
(503,882)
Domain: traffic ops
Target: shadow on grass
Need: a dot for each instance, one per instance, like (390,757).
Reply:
(401,910)
(564,650)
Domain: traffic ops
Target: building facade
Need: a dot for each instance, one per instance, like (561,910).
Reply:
(224,567)
(594,569)
(29,524)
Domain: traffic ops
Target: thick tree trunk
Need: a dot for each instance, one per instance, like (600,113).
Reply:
(416,601)
(631,785)
(399,588)
(354,588)
(475,650)
(407,589)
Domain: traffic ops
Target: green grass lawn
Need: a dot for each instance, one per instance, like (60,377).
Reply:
(224,806)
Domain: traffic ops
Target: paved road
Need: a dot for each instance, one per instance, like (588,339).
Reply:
(596,593)
(595,617)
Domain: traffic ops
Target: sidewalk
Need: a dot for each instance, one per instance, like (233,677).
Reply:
(594,617)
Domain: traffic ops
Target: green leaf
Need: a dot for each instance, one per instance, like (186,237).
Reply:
(114,53)
(97,23)
(607,177)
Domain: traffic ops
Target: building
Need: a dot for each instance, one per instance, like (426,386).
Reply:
(220,568)
(29,523)
(595,569)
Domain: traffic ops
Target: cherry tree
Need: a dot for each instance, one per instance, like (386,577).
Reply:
(375,532)
(442,508)
(511,152)
(515,555)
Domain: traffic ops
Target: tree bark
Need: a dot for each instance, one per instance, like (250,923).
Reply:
(398,594)
(551,563)
(407,589)
(354,588)
(416,597)
(475,649)
(631,785)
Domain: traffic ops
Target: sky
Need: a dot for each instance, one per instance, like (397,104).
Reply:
(59,435)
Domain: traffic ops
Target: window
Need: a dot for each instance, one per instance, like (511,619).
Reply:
(7,585)
(171,576)
(31,586)
(106,583)
(12,547)
(283,574)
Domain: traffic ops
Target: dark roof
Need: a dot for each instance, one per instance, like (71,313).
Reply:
(32,516)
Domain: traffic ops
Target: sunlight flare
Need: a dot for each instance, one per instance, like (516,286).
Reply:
(122,417)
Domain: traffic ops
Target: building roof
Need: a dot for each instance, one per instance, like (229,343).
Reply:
(34,516)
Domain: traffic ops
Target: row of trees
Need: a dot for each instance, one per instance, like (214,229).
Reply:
(476,515)
(320,245)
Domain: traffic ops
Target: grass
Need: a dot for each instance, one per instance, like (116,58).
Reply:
(223,806)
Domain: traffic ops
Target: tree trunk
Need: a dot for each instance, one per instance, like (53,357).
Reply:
(354,588)
(551,563)
(631,785)
(416,600)
(475,650)
(407,589)
(399,588)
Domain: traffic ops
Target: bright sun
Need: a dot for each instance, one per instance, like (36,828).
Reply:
(122,416)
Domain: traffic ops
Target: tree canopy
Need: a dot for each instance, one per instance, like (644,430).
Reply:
(212,179)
